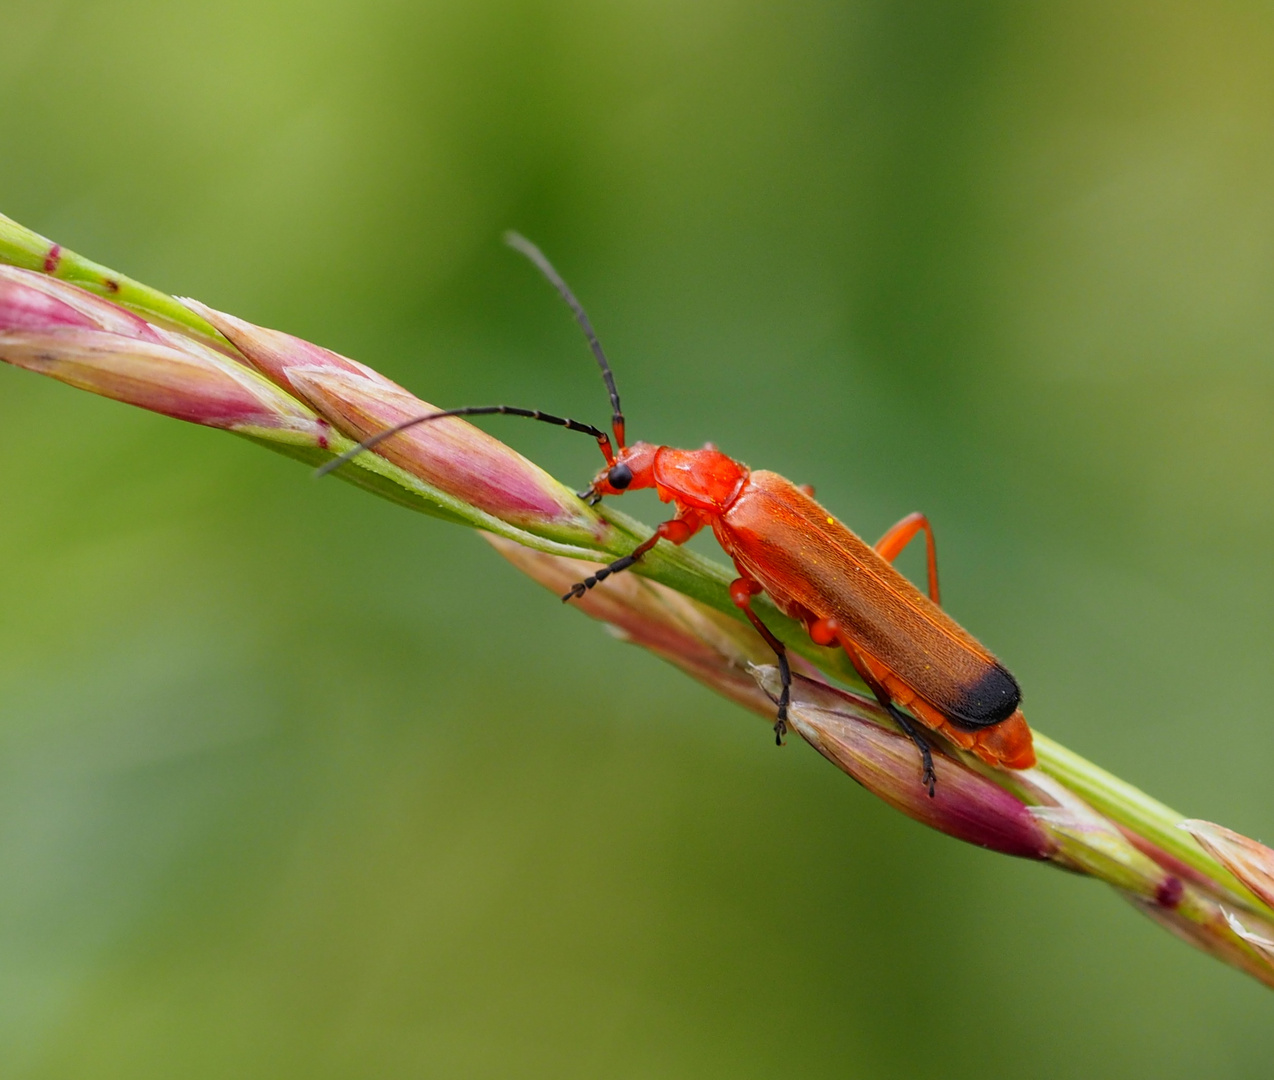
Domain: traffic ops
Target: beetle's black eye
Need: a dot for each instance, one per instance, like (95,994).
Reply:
(619,477)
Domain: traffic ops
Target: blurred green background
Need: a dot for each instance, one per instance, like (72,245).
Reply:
(294,783)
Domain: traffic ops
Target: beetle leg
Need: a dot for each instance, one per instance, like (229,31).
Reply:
(929,778)
(891,544)
(581,587)
(741,592)
(676,531)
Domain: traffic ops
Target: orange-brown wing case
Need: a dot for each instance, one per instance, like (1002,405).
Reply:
(809,562)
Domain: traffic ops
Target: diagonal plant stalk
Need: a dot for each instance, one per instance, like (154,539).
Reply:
(84,324)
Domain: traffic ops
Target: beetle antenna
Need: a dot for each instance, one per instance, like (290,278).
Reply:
(603,440)
(521,244)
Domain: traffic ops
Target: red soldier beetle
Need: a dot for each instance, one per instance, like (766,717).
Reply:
(908,651)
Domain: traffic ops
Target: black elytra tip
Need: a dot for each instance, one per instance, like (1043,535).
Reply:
(994,697)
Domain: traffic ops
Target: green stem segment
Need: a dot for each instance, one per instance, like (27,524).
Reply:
(1135,810)
(19,246)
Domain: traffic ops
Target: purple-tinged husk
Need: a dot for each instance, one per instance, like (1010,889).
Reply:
(449,454)
(850,731)
(57,329)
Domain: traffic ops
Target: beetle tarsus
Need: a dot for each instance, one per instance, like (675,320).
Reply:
(741,592)
(581,587)
(785,699)
(928,775)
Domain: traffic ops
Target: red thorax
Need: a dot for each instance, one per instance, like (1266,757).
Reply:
(704,480)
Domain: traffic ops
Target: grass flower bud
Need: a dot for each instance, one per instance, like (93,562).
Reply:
(450,454)
(59,330)
(1250,862)
(849,731)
